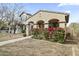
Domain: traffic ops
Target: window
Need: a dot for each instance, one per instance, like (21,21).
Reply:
(54,23)
(40,24)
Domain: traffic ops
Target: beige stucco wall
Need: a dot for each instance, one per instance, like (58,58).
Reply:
(46,25)
(62,25)
(45,16)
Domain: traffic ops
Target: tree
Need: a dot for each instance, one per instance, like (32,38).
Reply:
(10,13)
(3,11)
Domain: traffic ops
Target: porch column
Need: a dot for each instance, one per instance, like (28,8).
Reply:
(27,30)
(46,25)
(65,31)
(35,26)
(9,29)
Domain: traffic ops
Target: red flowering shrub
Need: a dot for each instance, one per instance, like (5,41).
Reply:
(56,34)
(51,29)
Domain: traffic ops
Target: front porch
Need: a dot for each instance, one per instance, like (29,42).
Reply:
(53,23)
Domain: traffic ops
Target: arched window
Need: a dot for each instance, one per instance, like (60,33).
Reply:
(54,23)
(40,24)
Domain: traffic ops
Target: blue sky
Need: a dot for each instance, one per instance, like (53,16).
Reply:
(73,9)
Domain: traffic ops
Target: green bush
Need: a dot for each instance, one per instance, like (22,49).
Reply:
(23,31)
(35,33)
(24,35)
(41,35)
(56,36)
(46,35)
(38,34)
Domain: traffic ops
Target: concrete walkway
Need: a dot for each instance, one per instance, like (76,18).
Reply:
(13,40)
(73,51)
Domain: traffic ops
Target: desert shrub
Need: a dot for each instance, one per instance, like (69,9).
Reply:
(68,35)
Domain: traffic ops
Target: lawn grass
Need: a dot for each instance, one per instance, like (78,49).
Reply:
(4,53)
(33,47)
(3,34)
(7,36)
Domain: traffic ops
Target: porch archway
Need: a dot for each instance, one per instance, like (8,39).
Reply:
(40,24)
(30,25)
(53,23)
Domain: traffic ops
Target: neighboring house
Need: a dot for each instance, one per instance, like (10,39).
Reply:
(24,16)
(21,25)
(44,19)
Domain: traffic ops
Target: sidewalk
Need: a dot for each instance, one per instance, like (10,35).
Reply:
(13,40)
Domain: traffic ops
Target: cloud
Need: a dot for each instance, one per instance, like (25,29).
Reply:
(67,4)
(68,11)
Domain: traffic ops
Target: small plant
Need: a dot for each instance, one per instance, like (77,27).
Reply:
(41,36)
(46,34)
(35,33)
(23,31)
(24,34)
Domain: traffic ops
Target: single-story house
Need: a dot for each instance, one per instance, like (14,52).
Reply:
(43,19)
